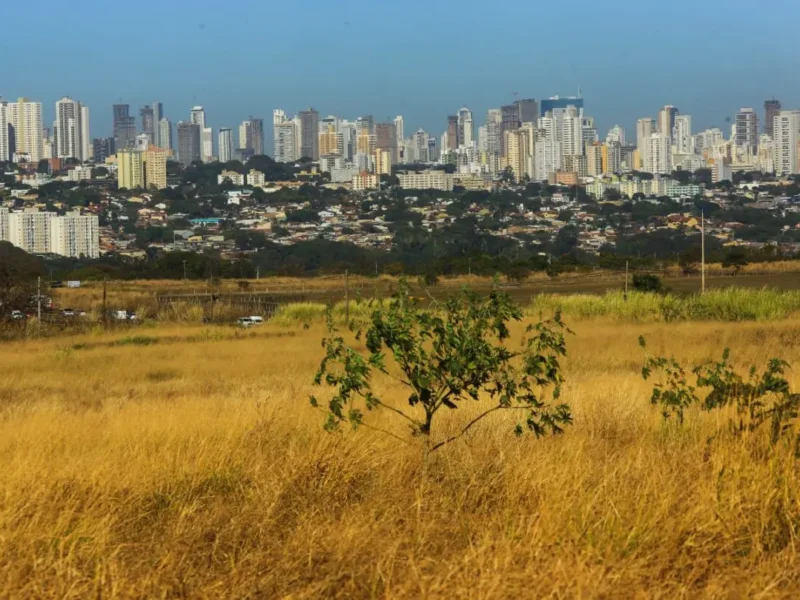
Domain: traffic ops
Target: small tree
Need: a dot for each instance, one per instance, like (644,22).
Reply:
(735,258)
(645,282)
(444,357)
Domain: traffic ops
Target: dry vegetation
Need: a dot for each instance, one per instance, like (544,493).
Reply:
(186,462)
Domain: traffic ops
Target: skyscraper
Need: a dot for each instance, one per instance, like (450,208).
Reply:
(555,102)
(257,135)
(124,127)
(197,116)
(71,130)
(188,143)
(148,123)
(386,139)
(528,110)
(452,133)
(165,134)
(158,114)
(786,128)
(466,131)
(26,134)
(682,135)
(666,120)
(644,129)
(103,148)
(225,144)
(509,121)
(494,120)
(771,110)
(746,130)
(207,144)
(659,160)
(309,134)
(5,150)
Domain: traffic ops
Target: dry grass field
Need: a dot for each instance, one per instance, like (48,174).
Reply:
(182,461)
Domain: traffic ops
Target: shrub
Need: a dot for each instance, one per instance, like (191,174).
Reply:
(645,282)
(445,357)
(760,398)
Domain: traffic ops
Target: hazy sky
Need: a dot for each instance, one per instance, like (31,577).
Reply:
(421,59)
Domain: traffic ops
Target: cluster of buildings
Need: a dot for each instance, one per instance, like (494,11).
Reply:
(38,232)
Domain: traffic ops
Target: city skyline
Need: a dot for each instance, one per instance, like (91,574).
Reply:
(397,75)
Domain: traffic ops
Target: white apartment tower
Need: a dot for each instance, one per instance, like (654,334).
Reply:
(207,144)
(466,131)
(644,129)
(682,135)
(745,130)
(658,160)
(165,134)
(3,224)
(225,144)
(75,235)
(25,119)
(30,230)
(786,129)
(72,129)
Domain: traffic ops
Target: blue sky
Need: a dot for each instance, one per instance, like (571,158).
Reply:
(421,59)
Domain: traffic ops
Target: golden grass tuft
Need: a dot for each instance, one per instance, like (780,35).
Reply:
(193,466)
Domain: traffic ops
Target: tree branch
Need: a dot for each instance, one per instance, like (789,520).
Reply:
(467,428)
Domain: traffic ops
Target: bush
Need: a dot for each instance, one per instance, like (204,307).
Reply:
(645,282)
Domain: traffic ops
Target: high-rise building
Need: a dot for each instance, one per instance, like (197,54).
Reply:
(5,148)
(149,123)
(130,169)
(509,121)
(658,158)
(517,152)
(207,144)
(189,147)
(328,138)
(103,148)
(225,144)
(466,128)
(557,102)
(158,114)
(644,129)
(616,134)
(75,235)
(124,127)
(452,133)
(155,168)
(386,139)
(71,130)
(612,158)
(786,154)
(26,136)
(285,141)
(165,134)
(771,110)
(594,159)
(4,234)
(666,121)
(682,139)
(383,161)
(746,130)
(257,135)
(494,139)
(197,116)
(528,110)
(309,134)
(399,129)
(30,230)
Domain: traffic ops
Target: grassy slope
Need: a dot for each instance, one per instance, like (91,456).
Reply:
(194,466)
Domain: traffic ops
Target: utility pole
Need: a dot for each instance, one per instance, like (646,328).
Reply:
(38,307)
(702,252)
(105,312)
(626,281)
(184,270)
(347,295)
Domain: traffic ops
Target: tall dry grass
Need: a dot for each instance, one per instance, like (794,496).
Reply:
(186,462)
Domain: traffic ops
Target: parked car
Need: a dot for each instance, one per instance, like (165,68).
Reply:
(251,321)
(67,312)
(17,314)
